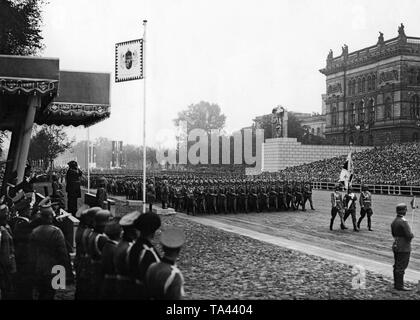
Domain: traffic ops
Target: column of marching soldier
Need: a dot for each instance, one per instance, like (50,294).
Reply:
(194,195)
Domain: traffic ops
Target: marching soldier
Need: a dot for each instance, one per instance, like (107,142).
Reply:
(307,195)
(212,200)
(191,203)
(200,196)
(243,199)
(402,246)
(143,253)
(273,198)
(164,194)
(350,203)
(231,200)
(150,195)
(164,280)
(337,206)
(124,286)
(365,207)
(298,198)
(222,199)
(253,196)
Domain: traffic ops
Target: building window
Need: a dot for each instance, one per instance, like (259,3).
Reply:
(415,136)
(318,131)
(373,82)
(363,85)
(359,85)
(415,107)
(334,116)
(353,86)
(360,140)
(352,114)
(388,108)
(351,139)
(361,111)
(313,131)
(371,111)
(349,90)
(369,83)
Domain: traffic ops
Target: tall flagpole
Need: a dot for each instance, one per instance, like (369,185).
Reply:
(144,116)
(88,159)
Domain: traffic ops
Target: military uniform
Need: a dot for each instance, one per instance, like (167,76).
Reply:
(81,260)
(307,196)
(47,248)
(365,208)
(337,206)
(124,284)
(108,290)
(143,253)
(96,242)
(350,205)
(402,245)
(7,256)
(164,281)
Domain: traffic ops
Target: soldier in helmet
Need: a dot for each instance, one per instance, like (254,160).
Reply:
(96,243)
(164,281)
(47,248)
(401,247)
(365,207)
(337,206)
(164,194)
(350,204)
(108,290)
(150,195)
(307,195)
(82,260)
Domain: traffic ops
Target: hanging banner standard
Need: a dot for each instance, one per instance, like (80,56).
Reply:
(129,60)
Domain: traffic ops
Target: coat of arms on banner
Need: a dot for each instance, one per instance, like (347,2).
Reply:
(129,60)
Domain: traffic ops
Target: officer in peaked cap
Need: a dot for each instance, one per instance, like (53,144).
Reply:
(123,285)
(142,253)
(164,280)
(401,247)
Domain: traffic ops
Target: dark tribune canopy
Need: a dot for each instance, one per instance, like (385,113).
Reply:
(67,97)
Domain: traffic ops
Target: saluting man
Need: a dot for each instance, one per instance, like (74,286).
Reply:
(402,246)
(365,207)
(164,281)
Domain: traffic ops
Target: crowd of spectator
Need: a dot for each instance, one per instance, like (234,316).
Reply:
(394,164)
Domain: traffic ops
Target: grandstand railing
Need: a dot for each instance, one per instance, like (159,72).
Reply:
(394,190)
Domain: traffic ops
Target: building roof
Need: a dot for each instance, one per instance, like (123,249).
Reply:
(67,98)
(401,45)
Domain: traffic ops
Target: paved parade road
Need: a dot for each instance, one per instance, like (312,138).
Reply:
(311,228)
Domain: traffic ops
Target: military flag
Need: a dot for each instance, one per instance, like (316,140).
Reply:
(129,60)
(346,175)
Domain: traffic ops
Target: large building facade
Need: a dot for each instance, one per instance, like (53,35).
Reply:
(373,94)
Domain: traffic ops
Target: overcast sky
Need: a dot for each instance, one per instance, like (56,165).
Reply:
(247,56)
